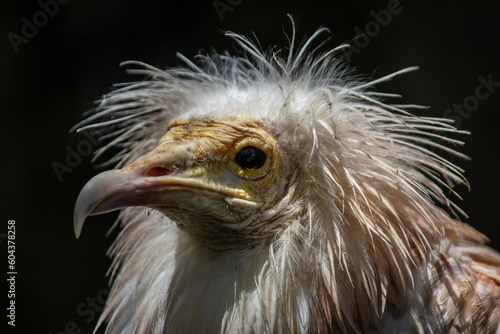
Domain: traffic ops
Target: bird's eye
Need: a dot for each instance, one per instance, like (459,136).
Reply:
(250,158)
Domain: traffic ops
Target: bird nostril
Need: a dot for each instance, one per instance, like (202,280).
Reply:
(159,171)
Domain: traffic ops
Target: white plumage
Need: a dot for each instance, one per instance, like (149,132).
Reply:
(339,230)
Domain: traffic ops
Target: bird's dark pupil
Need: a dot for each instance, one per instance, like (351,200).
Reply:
(250,157)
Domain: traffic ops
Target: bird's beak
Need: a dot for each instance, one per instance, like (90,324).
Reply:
(141,183)
(104,193)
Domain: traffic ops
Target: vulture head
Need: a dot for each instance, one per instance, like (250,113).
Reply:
(275,193)
(220,179)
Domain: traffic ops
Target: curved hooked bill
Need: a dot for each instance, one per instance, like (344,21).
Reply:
(117,189)
(109,191)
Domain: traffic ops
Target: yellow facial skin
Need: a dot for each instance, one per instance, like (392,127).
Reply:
(213,158)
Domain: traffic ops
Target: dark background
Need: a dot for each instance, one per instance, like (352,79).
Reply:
(74,58)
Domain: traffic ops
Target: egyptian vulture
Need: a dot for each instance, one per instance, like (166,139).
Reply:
(273,192)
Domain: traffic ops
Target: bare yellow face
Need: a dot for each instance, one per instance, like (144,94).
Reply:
(239,158)
(210,176)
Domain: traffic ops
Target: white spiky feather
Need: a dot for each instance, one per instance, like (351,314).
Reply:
(362,242)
